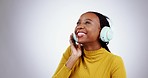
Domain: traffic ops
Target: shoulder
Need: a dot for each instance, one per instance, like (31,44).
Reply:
(117,67)
(67,52)
(117,59)
(117,62)
(114,57)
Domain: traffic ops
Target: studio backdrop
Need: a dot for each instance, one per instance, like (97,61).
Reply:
(35,33)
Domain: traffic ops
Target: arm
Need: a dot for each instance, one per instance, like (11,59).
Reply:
(68,60)
(76,53)
(118,69)
(62,71)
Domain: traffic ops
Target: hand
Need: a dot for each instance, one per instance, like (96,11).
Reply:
(76,53)
(75,48)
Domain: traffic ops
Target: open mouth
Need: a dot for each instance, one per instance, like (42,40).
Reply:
(80,34)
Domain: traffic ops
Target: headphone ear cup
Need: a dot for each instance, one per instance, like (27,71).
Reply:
(106,34)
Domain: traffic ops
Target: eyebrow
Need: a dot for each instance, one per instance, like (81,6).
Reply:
(85,19)
(92,20)
(89,19)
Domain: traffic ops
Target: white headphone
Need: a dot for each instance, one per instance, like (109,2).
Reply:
(106,34)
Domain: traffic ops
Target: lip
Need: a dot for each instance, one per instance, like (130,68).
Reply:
(80,32)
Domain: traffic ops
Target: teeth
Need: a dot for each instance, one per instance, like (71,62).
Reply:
(81,34)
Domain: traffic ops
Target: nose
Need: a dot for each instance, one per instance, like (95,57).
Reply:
(80,27)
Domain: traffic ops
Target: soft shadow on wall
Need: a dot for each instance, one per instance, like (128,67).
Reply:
(34,34)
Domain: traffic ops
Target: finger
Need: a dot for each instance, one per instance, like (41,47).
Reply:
(79,49)
(71,41)
(79,46)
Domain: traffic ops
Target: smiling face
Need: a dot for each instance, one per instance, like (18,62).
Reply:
(88,28)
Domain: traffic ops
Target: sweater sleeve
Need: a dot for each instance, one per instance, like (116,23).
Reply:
(62,71)
(118,69)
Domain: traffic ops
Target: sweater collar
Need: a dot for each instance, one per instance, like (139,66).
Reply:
(95,54)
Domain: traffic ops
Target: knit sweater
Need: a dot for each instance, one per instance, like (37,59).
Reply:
(95,64)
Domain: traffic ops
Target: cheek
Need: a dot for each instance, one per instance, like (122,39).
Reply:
(75,29)
(95,34)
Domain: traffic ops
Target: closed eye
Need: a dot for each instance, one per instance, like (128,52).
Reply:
(78,23)
(87,22)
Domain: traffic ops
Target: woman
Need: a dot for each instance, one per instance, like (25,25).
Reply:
(90,57)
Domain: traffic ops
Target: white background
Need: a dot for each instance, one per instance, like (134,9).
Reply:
(35,33)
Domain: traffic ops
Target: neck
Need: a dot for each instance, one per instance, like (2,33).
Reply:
(92,46)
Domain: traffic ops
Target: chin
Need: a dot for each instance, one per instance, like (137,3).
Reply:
(81,42)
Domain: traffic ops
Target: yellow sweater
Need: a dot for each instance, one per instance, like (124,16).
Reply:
(96,64)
